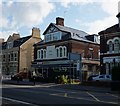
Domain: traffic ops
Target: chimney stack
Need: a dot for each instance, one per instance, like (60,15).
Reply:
(1,40)
(36,32)
(16,36)
(60,21)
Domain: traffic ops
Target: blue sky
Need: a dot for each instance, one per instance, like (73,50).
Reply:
(91,16)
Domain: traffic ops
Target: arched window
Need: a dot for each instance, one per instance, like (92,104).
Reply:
(41,53)
(116,46)
(44,55)
(57,51)
(64,51)
(110,47)
(38,54)
(61,52)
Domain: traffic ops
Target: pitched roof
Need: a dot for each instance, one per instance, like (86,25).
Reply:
(112,29)
(75,34)
(16,43)
(118,15)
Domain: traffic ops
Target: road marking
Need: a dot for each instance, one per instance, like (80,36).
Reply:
(18,101)
(83,99)
(113,95)
(93,96)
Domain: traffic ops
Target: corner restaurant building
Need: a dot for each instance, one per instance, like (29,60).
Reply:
(62,52)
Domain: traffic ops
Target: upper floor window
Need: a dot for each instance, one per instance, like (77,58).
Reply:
(61,51)
(53,36)
(91,53)
(4,58)
(15,56)
(116,46)
(110,47)
(9,45)
(41,54)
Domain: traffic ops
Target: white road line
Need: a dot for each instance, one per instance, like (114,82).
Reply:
(82,98)
(113,95)
(18,101)
(93,96)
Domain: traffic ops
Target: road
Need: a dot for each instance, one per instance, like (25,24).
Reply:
(45,94)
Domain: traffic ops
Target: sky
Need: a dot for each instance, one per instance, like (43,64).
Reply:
(90,16)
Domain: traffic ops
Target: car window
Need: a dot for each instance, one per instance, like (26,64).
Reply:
(107,76)
(101,76)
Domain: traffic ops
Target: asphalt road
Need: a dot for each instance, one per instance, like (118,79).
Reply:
(43,94)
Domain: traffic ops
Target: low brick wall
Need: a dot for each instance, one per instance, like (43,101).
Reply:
(98,84)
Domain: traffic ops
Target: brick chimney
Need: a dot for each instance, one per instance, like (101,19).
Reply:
(36,32)
(60,21)
(15,36)
(1,40)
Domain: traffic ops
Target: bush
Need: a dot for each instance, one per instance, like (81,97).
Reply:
(64,79)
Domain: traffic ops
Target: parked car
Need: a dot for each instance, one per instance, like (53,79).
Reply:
(102,77)
(19,76)
(90,78)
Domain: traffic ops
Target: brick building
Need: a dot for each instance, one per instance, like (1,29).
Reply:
(18,53)
(68,51)
(110,47)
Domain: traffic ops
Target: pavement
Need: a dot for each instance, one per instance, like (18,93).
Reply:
(61,86)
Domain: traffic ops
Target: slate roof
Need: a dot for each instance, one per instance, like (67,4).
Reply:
(112,29)
(75,34)
(16,43)
(118,15)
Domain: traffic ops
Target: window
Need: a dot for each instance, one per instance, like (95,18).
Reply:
(11,57)
(4,58)
(53,36)
(110,47)
(60,51)
(41,54)
(116,46)
(90,53)
(101,76)
(8,57)
(44,53)
(9,45)
(57,49)
(15,56)
(64,51)
(38,54)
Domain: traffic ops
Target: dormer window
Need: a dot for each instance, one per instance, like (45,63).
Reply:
(53,36)
(9,45)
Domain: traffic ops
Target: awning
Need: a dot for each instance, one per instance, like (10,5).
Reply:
(50,65)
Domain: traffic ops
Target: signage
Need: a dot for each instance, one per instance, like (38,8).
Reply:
(51,52)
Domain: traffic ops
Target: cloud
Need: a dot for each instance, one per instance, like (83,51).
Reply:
(5,34)
(99,25)
(24,14)
(66,3)
(110,8)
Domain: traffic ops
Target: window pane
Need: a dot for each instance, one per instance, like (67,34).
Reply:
(60,52)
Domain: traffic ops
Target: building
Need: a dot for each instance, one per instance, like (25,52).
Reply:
(110,47)
(65,50)
(18,53)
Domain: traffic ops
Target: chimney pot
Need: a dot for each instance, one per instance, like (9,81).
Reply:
(60,21)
